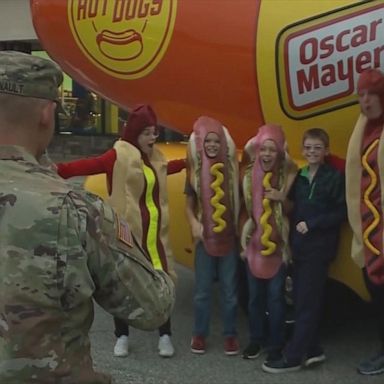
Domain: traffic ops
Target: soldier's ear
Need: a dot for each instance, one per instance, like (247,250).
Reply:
(47,114)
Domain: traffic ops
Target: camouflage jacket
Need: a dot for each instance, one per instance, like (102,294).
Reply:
(59,249)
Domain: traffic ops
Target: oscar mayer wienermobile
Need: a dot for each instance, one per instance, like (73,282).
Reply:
(243,62)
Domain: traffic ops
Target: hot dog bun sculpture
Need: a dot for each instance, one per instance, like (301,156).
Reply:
(364,177)
(263,225)
(218,199)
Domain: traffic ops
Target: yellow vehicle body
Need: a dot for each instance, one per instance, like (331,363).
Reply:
(342,268)
(242,62)
(179,228)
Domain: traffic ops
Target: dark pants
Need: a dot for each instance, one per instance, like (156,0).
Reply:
(122,329)
(377,294)
(309,278)
(267,295)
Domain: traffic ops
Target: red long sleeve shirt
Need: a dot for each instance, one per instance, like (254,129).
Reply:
(104,164)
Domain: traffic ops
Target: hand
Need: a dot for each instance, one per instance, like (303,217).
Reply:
(54,167)
(302,227)
(197,231)
(274,194)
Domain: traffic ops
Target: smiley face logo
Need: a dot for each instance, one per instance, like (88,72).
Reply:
(125,38)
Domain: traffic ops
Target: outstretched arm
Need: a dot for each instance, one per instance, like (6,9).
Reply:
(336,162)
(175,166)
(90,166)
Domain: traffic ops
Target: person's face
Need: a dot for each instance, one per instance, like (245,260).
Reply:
(314,151)
(370,105)
(147,139)
(212,144)
(268,154)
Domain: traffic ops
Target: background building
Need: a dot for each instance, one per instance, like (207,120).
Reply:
(87,113)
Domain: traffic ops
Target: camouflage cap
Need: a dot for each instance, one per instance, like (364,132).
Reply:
(22,74)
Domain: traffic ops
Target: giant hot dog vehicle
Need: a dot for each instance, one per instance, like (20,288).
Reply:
(242,62)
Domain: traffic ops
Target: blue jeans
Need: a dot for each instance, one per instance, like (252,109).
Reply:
(267,295)
(206,269)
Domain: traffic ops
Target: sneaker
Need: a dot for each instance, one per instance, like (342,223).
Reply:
(252,351)
(274,354)
(198,344)
(373,365)
(165,346)
(231,346)
(121,347)
(280,366)
(314,359)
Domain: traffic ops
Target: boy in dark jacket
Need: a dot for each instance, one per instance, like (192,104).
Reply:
(318,194)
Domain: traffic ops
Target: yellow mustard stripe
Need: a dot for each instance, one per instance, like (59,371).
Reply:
(219,208)
(370,206)
(269,245)
(153,217)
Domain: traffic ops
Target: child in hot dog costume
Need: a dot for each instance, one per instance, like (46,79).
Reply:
(365,191)
(136,179)
(212,207)
(266,175)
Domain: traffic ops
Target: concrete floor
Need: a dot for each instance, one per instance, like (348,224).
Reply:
(344,346)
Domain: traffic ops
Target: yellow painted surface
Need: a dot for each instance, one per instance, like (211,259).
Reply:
(342,269)
(275,16)
(277,20)
(180,235)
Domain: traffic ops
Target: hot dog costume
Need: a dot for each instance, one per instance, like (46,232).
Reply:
(263,226)
(137,190)
(136,186)
(215,182)
(212,185)
(365,184)
(365,188)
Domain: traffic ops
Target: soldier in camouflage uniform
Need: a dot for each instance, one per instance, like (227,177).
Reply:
(59,248)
